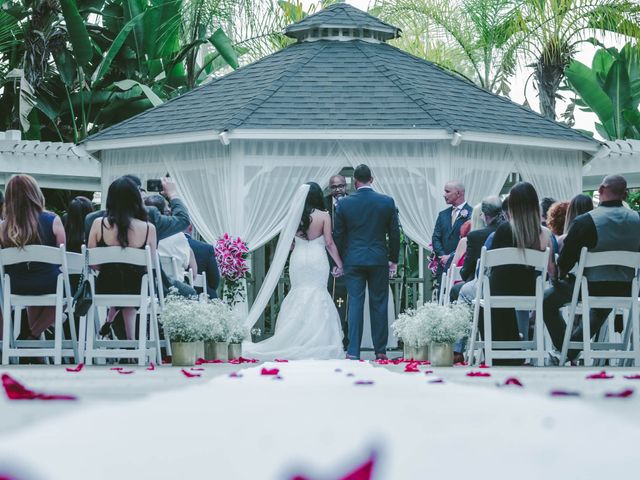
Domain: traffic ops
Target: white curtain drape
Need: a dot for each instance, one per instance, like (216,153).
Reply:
(287,234)
(243,189)
(414,174)
(554,173)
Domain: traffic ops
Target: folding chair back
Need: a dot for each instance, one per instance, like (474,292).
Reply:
(143,301)
(485,300)
(13,304)
(582,299)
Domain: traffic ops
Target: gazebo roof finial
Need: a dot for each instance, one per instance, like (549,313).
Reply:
(342,21)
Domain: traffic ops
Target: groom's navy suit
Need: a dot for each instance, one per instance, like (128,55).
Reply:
(363,221)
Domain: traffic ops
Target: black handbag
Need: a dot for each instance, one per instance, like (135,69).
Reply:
(83,298)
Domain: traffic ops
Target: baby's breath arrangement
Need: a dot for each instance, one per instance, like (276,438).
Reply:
(182,318)
(433,323)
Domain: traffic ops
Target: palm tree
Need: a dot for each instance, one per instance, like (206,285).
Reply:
(555,29)
(476,38)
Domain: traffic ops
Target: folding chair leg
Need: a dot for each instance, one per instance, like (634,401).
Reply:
(635,326)
(6,331)
(488,342)
(474,332)
(82,338)
(59,332)
(142,339)
(586,326)
(90,334)
(539,330)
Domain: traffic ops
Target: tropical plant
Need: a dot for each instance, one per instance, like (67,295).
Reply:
(70,68)
(554,30)
(478,39)
(611,90)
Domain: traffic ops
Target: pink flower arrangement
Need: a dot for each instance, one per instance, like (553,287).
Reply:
(231,254)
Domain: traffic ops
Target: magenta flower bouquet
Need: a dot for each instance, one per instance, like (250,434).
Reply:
(231,255)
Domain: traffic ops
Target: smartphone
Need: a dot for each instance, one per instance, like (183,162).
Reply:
(154,185)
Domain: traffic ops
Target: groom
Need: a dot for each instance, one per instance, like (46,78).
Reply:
(363,220)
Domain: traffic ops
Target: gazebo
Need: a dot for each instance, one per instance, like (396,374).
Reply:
(56,165)
(618,156)
(341,95)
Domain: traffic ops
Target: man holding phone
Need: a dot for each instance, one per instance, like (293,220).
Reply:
(166,225)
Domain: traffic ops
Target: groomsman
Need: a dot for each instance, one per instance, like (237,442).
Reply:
(337,286)
(446,233)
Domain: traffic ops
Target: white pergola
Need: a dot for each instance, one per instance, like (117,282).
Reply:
(615,157)
(53,164)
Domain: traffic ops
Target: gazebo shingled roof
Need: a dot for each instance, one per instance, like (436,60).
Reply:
(330,84)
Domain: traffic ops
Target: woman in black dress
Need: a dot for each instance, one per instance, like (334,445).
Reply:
(525,231)
(27,223)
(124,225)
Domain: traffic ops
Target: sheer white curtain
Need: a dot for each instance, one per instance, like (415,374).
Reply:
(289,229)
(554,173)
(243,189)
(414,174)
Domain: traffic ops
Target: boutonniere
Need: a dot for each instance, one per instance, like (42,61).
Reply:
(464,213)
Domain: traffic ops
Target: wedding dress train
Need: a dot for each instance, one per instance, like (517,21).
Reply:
(308,325)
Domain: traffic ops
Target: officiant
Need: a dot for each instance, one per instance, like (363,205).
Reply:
(337,286)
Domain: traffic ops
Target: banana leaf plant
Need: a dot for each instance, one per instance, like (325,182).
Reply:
(73,67)
(611,90)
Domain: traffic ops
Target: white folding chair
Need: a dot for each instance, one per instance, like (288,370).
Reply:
(444,282)
(13,305)
(198,280)
(452,277)
(603,347)
(142,348)
(158,306)
(525,349)
(173,269)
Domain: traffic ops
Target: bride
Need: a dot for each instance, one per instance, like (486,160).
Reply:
(308,324)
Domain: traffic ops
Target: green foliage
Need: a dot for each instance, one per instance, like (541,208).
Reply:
(610,89)
(71,68)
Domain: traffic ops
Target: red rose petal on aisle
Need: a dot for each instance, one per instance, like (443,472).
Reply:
(235,375)
(281,360)
(602,375)
(363,382)
(484,365)
(125,372)
(351,374)
(196,369)
(277,377)
(461,364)
(269,371)
(151,367)
(382,362)
(189,374)
(116,368)
(513,381)
(247,360)
(632,377)
(77,369)
(16,391)
(202,361)
(564,393)
(478,374)
(436,380)
(623,394)
(427,372)
(411,368)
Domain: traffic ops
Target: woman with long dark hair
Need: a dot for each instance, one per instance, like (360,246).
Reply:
(523,230)
(78,209)
(579,204)
(26,222)
(124,225)
(308,324)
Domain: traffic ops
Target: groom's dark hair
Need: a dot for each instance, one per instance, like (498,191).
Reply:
(362,173)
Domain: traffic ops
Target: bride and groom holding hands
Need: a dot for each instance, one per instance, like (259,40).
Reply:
(364,243)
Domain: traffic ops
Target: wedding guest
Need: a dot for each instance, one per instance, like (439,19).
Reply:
(579,204)
(556,220)
(467,227)
(447,229)
(124,224)
(545,204)
(523,231)
(1,206)
(206,263)
(26,222)
(166,225)
(77,211)
(609,227)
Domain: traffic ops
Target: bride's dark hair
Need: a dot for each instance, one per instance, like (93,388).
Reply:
(314,201)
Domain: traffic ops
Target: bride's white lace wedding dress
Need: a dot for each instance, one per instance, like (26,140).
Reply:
(308,324)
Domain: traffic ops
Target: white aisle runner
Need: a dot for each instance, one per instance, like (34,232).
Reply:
(317,421)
